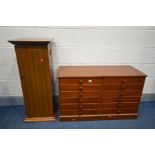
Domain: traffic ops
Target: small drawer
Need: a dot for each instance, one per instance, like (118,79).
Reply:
(80,112)
(121,99)
(119,104)
(80,106)
(80,81)
(69,106)
(68,112)
(124,80)
(118,110)
(64,100)
(78,87)
(80,94)
(89,112)
(127,110)
(121,93)
(122,87)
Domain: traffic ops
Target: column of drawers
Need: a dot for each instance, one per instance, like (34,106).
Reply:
(121,95)
(80,96)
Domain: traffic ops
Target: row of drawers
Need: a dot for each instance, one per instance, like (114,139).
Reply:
(99,80)
(65,100)
(98,105)
(117,87)
(99,111)
(87,94)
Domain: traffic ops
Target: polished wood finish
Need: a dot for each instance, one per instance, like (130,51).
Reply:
(99,92)
(34,63)
(99,71)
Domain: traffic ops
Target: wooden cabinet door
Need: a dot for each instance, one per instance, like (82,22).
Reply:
(35,77)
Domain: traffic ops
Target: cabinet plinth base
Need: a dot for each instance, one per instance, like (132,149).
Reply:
(98,117)
(40,119)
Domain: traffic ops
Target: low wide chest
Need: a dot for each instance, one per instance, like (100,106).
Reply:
(97,98)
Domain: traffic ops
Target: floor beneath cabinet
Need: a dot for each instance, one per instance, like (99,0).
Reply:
(12,117)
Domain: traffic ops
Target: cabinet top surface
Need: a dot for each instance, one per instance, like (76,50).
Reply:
(30,40)
(98,71)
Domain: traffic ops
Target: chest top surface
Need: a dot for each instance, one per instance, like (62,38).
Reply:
(98,71)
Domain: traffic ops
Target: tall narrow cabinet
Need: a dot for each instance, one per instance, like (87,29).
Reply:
(35,69)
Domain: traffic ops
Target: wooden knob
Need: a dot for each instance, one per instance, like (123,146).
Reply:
(80,95)
(81,88)
(123,87)
(122,93)
(124,80)
(80,101)
(41,60)
(81,81)
(119,105)
(119,111)
(80,112)
(80,107)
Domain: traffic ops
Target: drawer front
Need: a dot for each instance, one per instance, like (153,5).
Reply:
(78,87)
(121,87)
(121,93)
(118,111)
(76,106)
(124,80)
(122,99)
(68,112)
(80,94)
(80,81)
(119,104)
(80,112)
(78,100)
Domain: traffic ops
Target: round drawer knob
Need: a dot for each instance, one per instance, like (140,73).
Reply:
(119,111)
(80,101)
(81,88)
(80,95)
(123,87)
(119,105)
(122,93)
(80,106)
(124,80)
(80,112)
(81,81)
(41,60)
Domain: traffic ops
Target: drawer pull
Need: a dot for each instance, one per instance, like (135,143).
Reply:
(119,111)
(81,88)
(80,112)
(123,87)
(120,100)
(80,107)
(80,95)
(119,105)
(81,81)
(124,80)
(41,60)
(80,101)
(122,93)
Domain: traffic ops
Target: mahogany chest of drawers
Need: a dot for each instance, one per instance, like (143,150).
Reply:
(99,92)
